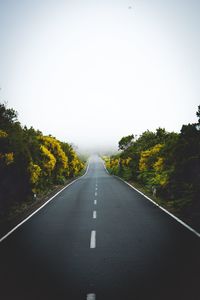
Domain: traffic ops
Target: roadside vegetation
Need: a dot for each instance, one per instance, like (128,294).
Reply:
(165,165)
(31,164)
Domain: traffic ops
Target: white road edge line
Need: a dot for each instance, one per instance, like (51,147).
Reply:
(94,214)
(91,297)
(95,202)
(163,209)
(21,223)
(93,239)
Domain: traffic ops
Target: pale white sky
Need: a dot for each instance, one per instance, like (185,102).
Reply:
(90,72)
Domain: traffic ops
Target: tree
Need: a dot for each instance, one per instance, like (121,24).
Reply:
(198,114)
(126,142)
(146,140)
(8,116)
(74,162)
(187,163)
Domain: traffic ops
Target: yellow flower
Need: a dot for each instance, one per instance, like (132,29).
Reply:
(9,158)
(3,134)
(50,162)
(34,171)
(158,165)
(145,156)
(54,148)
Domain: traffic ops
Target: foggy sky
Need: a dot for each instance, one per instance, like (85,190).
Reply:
(90,72)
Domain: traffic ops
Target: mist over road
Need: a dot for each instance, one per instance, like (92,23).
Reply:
(100,239)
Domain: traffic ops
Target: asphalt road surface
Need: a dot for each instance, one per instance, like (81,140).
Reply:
(100,239)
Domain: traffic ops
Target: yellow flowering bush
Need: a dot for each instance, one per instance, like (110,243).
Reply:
(35,172)
(114,162)
(161,179)
(3,134)
(125,161)
(54,148)
(9,158)
(49,161)
(147,156)
(107,161)
(151,167)
(75,165)
(159,164)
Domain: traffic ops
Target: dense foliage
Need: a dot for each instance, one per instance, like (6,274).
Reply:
(31,163)
(166,163)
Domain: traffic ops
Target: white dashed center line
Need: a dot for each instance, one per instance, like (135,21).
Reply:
(93,239)
(95,202)
(91,297)
(95,194)
(94,214)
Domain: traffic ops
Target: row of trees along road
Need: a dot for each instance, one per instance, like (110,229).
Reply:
(166,163)
(31,163)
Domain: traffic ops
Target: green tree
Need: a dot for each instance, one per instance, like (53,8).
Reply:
(126,142)
(8,116)
(198,114)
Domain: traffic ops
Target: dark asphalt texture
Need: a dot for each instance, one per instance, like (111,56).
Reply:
(141,252)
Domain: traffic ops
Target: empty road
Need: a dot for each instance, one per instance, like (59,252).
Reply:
(100,239)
